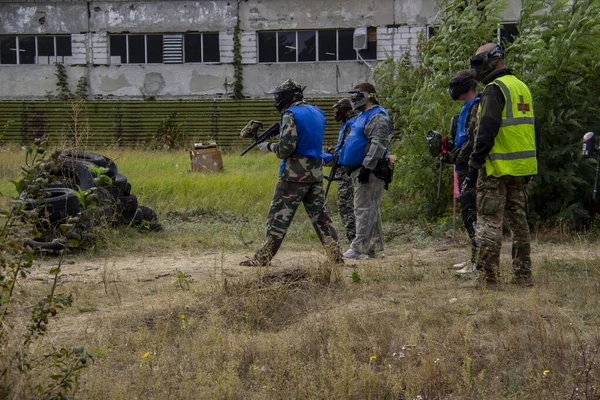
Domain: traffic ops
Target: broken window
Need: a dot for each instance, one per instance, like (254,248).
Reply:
(154,49)
(210,44)
(307,46)
(33,49)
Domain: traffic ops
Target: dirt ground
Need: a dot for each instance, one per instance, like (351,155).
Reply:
(211,266)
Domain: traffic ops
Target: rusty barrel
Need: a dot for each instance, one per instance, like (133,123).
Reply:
(206,158)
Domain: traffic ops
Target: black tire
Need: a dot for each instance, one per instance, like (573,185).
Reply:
(148,214)
(77,174)
(59,204)
(40,246)
(94,158)
(127,206)
(120,186)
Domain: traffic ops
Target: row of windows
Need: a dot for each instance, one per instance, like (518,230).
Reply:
(165,48)
(306,46)
(273,46)
(507,32)
(28,49)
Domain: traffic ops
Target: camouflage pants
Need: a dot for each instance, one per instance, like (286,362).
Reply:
(499,198)
(345,202)
(286,199)
(468,211)
(367,204)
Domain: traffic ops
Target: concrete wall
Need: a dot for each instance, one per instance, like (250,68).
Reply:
(398,24)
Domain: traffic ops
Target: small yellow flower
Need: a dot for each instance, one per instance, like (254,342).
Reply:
(546,372)
(373,358)
(146,354)
(182,317)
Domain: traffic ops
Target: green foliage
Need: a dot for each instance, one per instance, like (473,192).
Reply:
(18,225)
(63,92)
(557,55)
(238,72)
(170,135)
(418,101)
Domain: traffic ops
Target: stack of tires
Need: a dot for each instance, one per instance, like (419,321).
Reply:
(74,170)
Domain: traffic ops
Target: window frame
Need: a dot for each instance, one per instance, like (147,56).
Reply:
(183,46)
(36,57)
(317,46)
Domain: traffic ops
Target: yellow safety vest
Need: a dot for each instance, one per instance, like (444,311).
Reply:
(514,148)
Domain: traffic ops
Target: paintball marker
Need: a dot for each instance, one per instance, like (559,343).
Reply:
(438,145)
(252,127)
(331,176)
(589,150)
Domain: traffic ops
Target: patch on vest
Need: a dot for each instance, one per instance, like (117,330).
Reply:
(522,106)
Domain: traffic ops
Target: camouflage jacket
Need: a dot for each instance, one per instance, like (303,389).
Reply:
(297,168)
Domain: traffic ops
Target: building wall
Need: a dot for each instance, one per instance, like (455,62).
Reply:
(398,25)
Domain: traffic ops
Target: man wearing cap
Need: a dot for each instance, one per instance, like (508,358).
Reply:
(345,191)
(503,161)
(463,86)
(364,154)
(300,174)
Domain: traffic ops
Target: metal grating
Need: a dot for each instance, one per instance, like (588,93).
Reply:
(173,48)
(133,123)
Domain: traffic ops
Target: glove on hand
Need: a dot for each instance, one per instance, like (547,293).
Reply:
(265,147)
(363,175)
(471,179)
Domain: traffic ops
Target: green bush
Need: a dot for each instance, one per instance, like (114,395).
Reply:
(557,55)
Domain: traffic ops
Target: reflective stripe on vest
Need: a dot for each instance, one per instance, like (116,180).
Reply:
(353,152)
(514,151)
(310,125)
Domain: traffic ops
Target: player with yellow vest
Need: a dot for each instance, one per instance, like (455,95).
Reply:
(505,154)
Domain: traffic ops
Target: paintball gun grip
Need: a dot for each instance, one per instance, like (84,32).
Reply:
(273,130)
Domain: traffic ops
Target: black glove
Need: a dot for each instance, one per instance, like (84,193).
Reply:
(471,179)
(363,175)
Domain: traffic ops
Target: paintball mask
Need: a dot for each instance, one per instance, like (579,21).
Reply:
(341,109)
(460,85)
(360,99)
(286,93)
(434,143)
(484,63)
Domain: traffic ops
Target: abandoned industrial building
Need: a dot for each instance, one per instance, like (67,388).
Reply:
(190,49)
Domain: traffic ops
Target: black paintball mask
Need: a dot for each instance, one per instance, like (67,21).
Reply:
(341,109)
(460,85)
(360,99)
(286,93)
(484,63)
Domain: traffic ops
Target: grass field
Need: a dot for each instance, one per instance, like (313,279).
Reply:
(171,315)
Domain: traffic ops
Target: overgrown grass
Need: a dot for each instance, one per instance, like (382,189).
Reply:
(172,315)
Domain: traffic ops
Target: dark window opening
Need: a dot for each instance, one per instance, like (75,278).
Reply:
(136,52)
(26,49)
(193,47)
(154,48)
(346,44)
(286,45)
(118,47)
(211,52)
(8,50)
(307,42)
(267,47)
(45,46)
(327,45)
(63,46)
(508,32)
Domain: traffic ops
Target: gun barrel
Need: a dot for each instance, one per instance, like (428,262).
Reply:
(440,180)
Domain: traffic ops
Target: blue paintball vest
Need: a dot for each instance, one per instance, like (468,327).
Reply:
(310,125)
(340,142)
(461,129)
(353,152)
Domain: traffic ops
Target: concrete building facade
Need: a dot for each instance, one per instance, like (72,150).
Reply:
(170,49)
